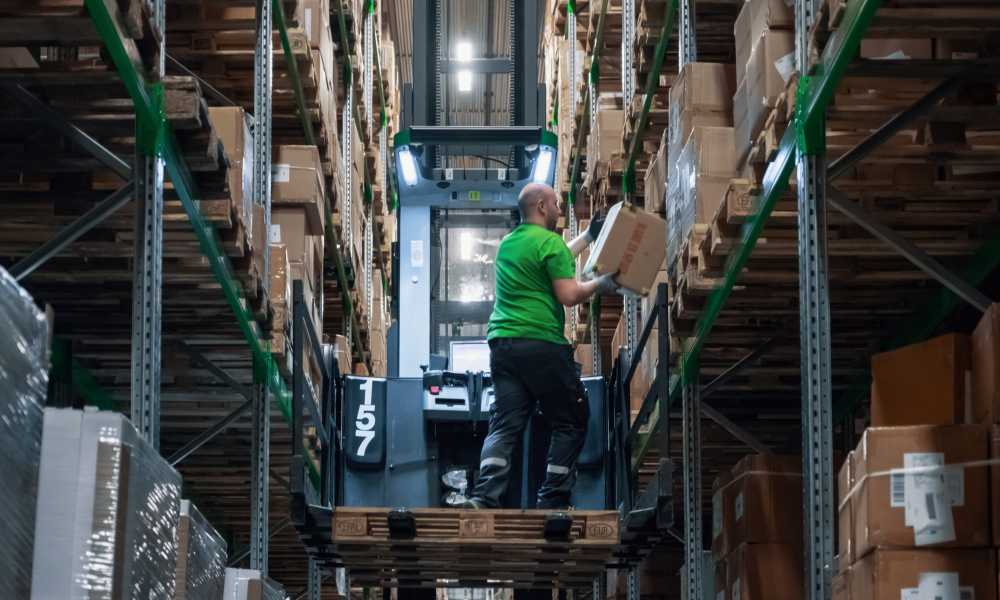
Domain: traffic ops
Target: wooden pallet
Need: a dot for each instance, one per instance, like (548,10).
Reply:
(473,547)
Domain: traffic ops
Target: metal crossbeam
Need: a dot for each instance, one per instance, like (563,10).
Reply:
(910,251)
(92,218)
(239,558)
(58,121)
(737,367)
(735,430)
(209,434)
(478,65)
(205,86)
(214,369)
(921,108)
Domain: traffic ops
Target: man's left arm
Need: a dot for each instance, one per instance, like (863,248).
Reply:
(577,244)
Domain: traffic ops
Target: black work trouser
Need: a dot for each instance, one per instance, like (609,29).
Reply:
(528,374)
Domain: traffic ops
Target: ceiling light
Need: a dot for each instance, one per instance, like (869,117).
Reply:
(465,81)
(463,51)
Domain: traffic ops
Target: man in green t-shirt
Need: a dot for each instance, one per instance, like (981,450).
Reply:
(531,363)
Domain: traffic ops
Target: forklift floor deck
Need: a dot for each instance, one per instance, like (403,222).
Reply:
(438,547)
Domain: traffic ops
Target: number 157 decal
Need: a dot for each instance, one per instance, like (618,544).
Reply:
(364,426)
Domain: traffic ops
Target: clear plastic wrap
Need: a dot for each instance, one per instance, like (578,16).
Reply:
(201,557)
(24,376)
(108,511)
(703,170)
(247,584)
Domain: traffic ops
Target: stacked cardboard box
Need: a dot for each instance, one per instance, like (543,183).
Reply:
(248,584)
(757,529)
(921,384)
(342,351)
(24,374)
(765,62)
(108,510)
(704,168)
(201,557)
(655,190)
(701,97)
(604,143)
(297,182)
(914,509)
(379,327)
(914,497)
(985,398)
(230,124)
(565,124)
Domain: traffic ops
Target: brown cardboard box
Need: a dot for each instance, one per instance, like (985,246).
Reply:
(986,368)
(897,49)
(342,350)
(921,384)
(721,580)
(756,17)
(297,180)
(719,545)
(704,169)
(949,49)
(995,482)
(280,298)
(763,502)
(632,243)
(606,140)
(703,87)
(770,66)
(891,511)
(305,252)
(314,19)
(17,58)
(229,123)
(656,178)
(845,518)
(906,574)
(765,572)
(841,585)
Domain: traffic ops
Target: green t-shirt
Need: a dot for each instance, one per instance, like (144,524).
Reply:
(528,260)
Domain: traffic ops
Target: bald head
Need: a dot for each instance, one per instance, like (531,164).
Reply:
(539,204)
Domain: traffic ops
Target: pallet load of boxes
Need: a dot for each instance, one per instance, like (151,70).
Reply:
(919,497)
(93,509)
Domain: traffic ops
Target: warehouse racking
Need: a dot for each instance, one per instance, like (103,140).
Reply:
(770,259)
(728,311)
(210,407)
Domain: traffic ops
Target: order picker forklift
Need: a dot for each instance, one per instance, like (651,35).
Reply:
(395,455)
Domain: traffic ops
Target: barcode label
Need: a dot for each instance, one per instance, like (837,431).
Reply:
(931,507)
(897,488)
(967,593)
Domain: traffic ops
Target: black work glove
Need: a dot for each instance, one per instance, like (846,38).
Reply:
(594,228)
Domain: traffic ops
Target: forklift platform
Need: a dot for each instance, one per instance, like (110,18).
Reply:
(441,547)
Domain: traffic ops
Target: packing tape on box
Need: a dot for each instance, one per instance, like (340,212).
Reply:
(926,489)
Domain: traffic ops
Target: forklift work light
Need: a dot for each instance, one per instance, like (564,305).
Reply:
(408,166)
(543,165)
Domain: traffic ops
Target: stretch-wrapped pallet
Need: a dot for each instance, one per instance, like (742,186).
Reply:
(108,510)
(24,376)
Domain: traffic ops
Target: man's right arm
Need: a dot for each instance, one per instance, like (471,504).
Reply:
(571,292)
